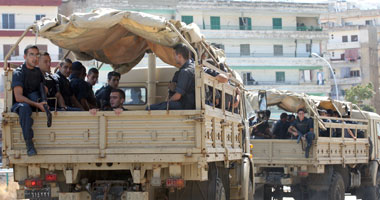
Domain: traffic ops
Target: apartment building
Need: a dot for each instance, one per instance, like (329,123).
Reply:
(353,47)
(16,16)
(269,44)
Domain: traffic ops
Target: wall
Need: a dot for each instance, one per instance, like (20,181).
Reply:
(52,49)
(25,15)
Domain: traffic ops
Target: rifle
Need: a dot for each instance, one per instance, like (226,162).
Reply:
(44,98)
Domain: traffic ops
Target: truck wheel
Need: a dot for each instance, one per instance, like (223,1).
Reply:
(250,190)
(220,193)
(337,188)
(370,192)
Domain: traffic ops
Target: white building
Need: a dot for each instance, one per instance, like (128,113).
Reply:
(270,44)
(16,16)
(353,47)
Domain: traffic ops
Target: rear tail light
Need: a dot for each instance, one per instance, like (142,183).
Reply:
(303,174)
(33,183)
(51,177)
(175,182)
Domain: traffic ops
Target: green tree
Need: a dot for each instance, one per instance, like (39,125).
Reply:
(358,94)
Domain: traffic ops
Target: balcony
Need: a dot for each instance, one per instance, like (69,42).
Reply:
(268,55)
(311,88)
(265,33)
(259,28)
(246,62)
(348,81)
(343,45)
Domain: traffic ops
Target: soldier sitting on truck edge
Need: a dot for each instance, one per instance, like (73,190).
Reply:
(51,82)
(92,79)
(303,127)
(280,129)
(184,96)
(64,71)
(79,86)
(103,94)
(117,99)
(26,90)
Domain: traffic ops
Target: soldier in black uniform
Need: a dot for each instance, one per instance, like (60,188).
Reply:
(26,90)
(103,94)
(64,71)
(79,86)
(303,127)
(184,93)
(51,82)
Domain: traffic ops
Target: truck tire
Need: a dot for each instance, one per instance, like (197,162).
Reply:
(250,190)
(337,188)
(220,193)
(370,192)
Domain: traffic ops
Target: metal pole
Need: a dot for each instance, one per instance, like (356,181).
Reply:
(332,72)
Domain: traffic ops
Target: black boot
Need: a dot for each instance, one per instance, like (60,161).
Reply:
(307,149)
(31,151)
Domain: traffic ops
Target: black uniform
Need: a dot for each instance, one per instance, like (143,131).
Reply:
(80,88)
(53,88)
(103,97)
(29,80)
(185,86)
(64,88)
(280,130)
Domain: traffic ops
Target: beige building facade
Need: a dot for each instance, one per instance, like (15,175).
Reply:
(269,44)
(353,48)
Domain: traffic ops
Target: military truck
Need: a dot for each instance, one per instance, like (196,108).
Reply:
(336,164)
(140,154)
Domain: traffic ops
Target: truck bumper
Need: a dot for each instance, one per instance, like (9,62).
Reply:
(275,181)
(135,196)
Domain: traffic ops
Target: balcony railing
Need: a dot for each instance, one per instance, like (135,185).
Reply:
(269,55)
(260,28)
(272,82)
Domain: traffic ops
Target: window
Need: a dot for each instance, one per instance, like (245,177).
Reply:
(354,38)
(368,22)
(342,56)
(280,76)
(277,23)
(333,54)
(187,19)
(355,73)
(7,48)
(248,79)
(40,16)
(215,23)
(332,36)
(42,48)
(135,95)
(344,38)
(219,46)
(245,50)
(8,21)
(245,23)
(308,48)
(277,50)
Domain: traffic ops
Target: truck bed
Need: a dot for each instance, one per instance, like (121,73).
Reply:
(139,136)
(276,152)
